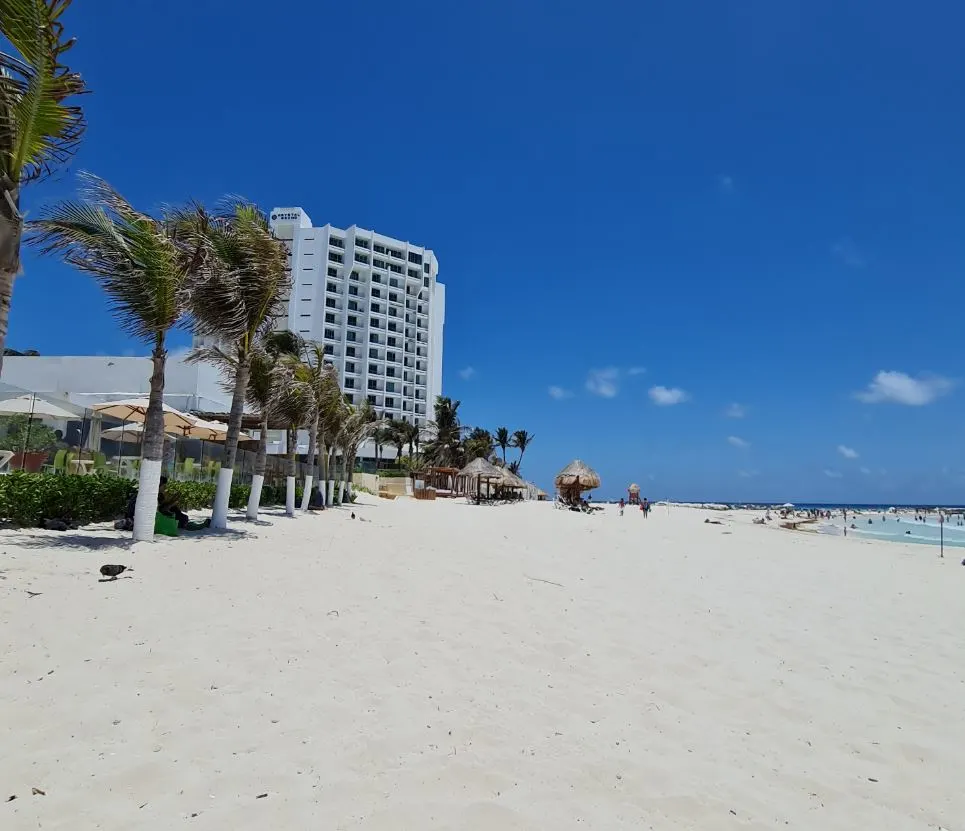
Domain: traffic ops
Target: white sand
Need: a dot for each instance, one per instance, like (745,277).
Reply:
(407,673)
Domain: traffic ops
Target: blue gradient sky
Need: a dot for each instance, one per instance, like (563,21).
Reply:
(754,202)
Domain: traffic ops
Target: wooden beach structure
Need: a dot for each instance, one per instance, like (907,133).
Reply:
(573,480)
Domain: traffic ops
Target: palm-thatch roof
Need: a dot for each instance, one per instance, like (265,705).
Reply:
(480,467)
(511,480)
(577,474)
(634,488)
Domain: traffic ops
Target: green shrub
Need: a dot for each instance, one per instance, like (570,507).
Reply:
(19,431)
(393,473)
(30,498)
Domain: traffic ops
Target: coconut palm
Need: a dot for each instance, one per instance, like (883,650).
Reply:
(295,406)
(478,444)
(236,291)
(323,381)
(262,395)
(410,432)
(358,424)
(380,437)
(331,420)
(521,440)
(398,437)
(143,271)
(445,447)
(503,441)
(39,128)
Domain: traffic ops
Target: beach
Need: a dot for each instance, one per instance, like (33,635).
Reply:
(446,666)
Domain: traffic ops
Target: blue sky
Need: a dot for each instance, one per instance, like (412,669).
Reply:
(654,211)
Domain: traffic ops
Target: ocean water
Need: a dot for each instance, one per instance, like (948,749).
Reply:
(893,530)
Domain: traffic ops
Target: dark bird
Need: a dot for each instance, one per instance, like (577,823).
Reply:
(112,571)
(353,514)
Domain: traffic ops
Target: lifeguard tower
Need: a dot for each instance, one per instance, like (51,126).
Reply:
(633,493)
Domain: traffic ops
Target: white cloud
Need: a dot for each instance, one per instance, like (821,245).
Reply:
(832,474)
(735,410)
(899,388)
(747,474)
(726,183)
(559,393)
(865,471)
(667,397)
(847,452)
(603,382)
(466,373)
(846,252)
(737,441)
(636,370)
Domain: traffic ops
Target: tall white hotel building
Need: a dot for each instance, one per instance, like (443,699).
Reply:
(376,306)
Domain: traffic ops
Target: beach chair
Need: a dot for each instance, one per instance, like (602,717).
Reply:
(59,464)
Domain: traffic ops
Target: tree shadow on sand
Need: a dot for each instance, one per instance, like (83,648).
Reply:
(97,541)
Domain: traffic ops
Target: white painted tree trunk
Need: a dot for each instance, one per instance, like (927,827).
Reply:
(222,494)
(145,509)
(290,495)
(307,495)
(254,498)
(329,492)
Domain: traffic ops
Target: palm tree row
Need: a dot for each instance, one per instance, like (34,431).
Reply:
(453,445)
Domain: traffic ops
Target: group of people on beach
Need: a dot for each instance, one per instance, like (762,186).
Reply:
(645,506)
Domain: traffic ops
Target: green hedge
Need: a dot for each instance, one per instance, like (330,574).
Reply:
(30,498)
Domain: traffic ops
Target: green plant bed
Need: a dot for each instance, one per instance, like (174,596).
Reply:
(393,473)
(29,498)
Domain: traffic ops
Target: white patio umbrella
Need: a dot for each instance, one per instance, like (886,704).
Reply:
(38,407)
(133,429)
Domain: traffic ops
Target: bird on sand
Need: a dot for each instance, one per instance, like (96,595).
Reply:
(112,571)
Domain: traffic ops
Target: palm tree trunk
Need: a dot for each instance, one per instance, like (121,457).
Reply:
(331,472)
(258,478)
(312,444)
(292,437)
(222,494)
(11,229)
(152,449)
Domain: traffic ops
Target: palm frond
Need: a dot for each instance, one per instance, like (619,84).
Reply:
(129,253)
(38,128)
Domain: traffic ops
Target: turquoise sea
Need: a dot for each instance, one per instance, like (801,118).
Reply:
(901,529)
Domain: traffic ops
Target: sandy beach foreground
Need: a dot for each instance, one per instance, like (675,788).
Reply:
(443,666)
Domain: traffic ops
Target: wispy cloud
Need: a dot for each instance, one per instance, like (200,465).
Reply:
(668,396)
(846,252)
(604,382)
(559,393)
(747,474)
(737,441)
(865,471)
(832,474)
(466,373)
(726,183)
(636,370)
(847,452)
(899,388)
(735,410)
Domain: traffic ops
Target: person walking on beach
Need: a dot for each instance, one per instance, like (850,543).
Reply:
(645,507)
(621,506)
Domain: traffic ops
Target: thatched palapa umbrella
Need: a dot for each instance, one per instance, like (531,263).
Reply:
(575,478)
(476,471)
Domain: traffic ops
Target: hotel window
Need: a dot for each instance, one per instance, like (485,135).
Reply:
(390,402)
(390,356)
(353,291)
(396,268)
(394,283)
(394,253)
(373,369)
(350,336)
(361,258)
(377,263)
(330,302)
(371,399)
(349,367)
(389,387)
(350,383)
(374,337)
(425,267)
(329,317)
(376,308)
(331,287)
(414,272)
(376,278)
(335,258)
(425,282)
(349,351)
(390,371)
(361,243)
(415,258)
(379,249)
(374,353)
(373,323)
(355,275)
(391,342)
(376,292)
(329,349)
(338,242)
(353,320)
(373,384)
(332,271)
(330,334)
(393,297)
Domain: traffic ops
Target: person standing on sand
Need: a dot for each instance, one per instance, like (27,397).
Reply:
(621,506)
(645,506)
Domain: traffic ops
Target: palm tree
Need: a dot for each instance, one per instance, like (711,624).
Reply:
(503,441)
(359,423)
(39,130)
(263,394)
(143,270)
(397,438)
(445,449)
(380,437)
(236,292)
(410,431)
(323,381)
(478,444)
(331,419)
(295,406)
(521,440)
